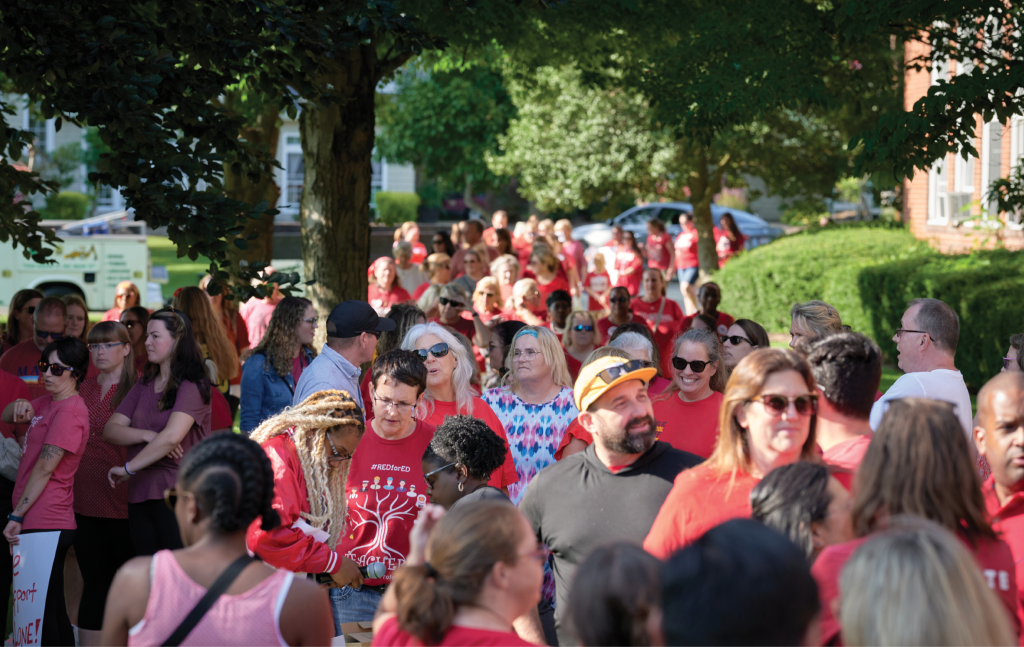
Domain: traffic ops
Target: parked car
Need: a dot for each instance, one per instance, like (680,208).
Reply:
(756,229)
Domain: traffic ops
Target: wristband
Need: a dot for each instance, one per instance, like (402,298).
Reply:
(15,519)
(130,473)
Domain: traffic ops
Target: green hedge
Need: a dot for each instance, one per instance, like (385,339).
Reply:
(394,207)
(869,274)
(66,205)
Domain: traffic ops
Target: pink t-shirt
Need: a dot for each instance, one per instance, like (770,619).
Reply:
(22,361)
(256,314)
(63,424)
(140,406)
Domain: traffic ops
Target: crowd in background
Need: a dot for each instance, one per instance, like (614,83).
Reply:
(513,440)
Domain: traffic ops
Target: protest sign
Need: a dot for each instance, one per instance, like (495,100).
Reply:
(33,559)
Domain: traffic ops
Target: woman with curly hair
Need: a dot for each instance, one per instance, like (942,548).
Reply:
(271,373)
(459,462)
(310,447)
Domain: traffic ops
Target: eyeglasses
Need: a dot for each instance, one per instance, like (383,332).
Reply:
(618,300)
(108,346)
(581,328)
(613,373)
(439,349)
(451,302)
(400,407)
(697,366)
(337,458)
(1007,361)
(777,404)
(736,339)
(900,331)
(56,370)
(440,469)
(312,321)
(44,334)
(526,353)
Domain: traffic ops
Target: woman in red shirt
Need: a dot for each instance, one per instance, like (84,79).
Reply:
(385,289)
(597,285)
(487,298)
(663,315)
(687,261)
(659,248)
(469,574)
(919,463)
(728,241)
(687,411)
(126,295)
(620,314)
(527,305)
(453,302)
(767,420)
(629,263)
(544,265)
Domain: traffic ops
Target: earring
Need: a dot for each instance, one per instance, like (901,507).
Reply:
(460,487)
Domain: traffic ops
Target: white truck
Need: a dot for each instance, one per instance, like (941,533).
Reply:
(96,254)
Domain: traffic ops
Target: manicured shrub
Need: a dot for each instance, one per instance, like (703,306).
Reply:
(394,207)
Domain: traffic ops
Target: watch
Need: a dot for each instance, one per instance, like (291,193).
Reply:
(11,517)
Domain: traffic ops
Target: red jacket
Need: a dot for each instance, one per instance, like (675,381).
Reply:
(291,546)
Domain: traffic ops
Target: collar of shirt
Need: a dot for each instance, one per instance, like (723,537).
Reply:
(343,365)
(997,512)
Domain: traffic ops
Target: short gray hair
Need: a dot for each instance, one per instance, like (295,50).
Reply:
(939,321)
(402,248)
(633,341)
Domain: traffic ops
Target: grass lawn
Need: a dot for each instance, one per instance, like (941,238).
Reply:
(182,271)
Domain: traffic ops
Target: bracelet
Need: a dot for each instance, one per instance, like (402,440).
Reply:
(11,517)
(130,473)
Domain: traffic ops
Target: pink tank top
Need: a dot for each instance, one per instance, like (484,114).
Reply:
(252,618)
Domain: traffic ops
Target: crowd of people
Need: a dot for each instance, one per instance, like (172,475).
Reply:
(513,440)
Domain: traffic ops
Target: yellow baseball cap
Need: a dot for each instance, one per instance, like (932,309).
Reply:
(607,372)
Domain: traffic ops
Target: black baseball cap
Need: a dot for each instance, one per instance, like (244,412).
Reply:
(352,318)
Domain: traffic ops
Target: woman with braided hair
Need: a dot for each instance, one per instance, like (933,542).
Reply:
(310,447)
(225,484)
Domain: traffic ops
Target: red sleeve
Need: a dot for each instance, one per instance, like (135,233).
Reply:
(220,414)
(507,475)
(11,389)
(287,547)
(666,534)
(574,430)
(241,333)
(826,570)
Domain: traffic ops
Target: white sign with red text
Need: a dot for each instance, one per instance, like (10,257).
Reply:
(33,559)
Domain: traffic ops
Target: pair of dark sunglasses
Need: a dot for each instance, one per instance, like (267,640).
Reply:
(618,300)
(581,327)
(42,334)
(439,349)
(736,339)
(56,370)
(697,366)
(613,373)
(449,302)
(777,404)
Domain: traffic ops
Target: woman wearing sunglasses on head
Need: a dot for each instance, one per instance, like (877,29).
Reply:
(742,338)
(225,485)
(767,420)
(449,367)
(687,411)
(136,320)
(53,448)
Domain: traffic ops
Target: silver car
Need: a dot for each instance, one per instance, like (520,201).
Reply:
(757,230)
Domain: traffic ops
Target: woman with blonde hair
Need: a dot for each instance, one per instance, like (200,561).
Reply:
(487,301)
(917,584)
(126,295)
(662,315)
(209,332)
(227,311)
(526,304)
(438,269)
(78,317)
(506,269)
(597,285)
(450,369)
(813,319)
(695,394)
(767,419)
(410,232)
(582,337)
(310,447)
(535,403)
(385,289)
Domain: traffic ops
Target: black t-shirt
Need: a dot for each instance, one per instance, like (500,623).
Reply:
(578,504)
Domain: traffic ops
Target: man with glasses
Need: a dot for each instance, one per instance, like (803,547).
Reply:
(926,342)
(49,321)
(386,488)
(353,328)
(614,489)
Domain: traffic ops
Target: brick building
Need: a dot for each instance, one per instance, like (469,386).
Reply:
(942,205)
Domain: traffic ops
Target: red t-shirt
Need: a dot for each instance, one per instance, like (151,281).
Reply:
(11,389)
(724,322)
(418,292)
(386,491)
(657,385)
(847,456)
(686,249)
(668,326)
(391,635)
(63,424)
(659,251)
(557,283)
(728,248)
(93,495)
(993,556)
(23,361)
(574,430)
(607,328)
(507,475)
(600,283)
(382,300)
(220,411)
(114,314)
(689,426)
(1008,521)
(700,499)
(627,259)
(573,364)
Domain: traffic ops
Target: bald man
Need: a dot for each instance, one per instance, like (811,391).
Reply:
(999,437)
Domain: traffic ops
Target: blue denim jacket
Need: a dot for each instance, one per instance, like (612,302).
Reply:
(264,392)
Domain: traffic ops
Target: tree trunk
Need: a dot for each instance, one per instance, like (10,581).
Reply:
(703,185)
(337,142)
(467,197)
(264,131)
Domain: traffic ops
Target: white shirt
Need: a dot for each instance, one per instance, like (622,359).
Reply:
(940,384)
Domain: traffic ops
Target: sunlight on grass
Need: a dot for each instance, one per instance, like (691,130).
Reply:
(181,272)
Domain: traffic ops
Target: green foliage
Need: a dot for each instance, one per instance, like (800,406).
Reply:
(66,205)
(61,165)
(849,187)
(430,194)
(732,200)
(868,272)
(396,207)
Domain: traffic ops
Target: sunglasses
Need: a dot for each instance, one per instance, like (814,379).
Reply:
(618,300)
(736,339)
(613,373)
(43,334)
(449,302)
(440,469)
(56,370)
(697,366)
(777,404)
(581,327)
(439,349)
